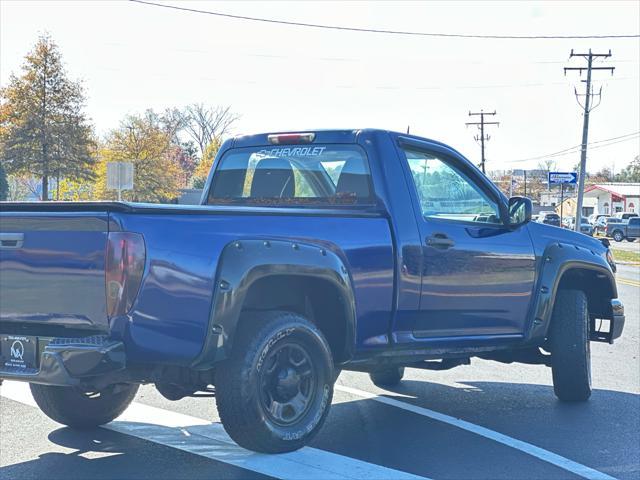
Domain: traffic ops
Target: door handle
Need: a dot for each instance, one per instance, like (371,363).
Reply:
(440,240)
(11,240)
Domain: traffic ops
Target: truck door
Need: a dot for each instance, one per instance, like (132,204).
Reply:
(633,228)
(477,274)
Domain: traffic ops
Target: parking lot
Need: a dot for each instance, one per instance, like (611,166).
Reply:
(486,420)
(626,246)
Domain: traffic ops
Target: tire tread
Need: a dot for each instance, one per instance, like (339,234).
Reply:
(569,340)
(233,391)
(61,405)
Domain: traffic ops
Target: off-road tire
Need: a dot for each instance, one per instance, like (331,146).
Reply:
(74,408)
(570,346)
(240,391)
(618,236)
(387,377)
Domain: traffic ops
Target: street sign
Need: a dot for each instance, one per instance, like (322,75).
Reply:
(560,178)
(120,176)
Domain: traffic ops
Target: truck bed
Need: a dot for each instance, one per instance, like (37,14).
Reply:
(57,276)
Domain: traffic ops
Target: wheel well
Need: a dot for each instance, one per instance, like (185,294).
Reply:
(317,299)
(596,286)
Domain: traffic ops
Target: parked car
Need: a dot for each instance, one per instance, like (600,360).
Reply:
(586,227)
(568,222)
(625,215)
(593,218)
(601,224)
(549,218)
(311,253)
(621,230)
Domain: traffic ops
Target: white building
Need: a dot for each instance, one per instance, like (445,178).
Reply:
(552,198)
(610,198)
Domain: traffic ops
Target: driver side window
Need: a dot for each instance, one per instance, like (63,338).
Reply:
(446,193)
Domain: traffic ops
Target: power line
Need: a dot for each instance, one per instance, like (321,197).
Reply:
(389,32)
(625,138)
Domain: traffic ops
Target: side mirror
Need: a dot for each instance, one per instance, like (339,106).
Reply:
(519,211)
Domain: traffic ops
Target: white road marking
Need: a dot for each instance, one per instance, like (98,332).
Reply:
(199,437)
(540,453)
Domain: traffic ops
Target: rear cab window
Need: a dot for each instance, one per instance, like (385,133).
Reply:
(295,175)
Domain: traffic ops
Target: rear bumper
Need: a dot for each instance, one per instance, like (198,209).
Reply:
(71,361)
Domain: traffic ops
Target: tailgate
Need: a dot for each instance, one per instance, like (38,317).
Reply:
(52,269)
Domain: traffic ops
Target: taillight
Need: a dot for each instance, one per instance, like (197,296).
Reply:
(124,268)
(291,138)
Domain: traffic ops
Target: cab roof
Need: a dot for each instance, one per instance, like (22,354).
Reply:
(323,136)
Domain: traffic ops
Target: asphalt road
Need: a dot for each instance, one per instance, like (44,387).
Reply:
(486,420)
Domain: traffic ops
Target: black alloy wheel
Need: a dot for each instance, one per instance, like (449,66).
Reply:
(287,383)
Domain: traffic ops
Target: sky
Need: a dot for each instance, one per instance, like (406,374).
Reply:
(131,57)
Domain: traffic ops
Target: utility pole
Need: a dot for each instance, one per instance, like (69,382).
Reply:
(482,137)
(587,107)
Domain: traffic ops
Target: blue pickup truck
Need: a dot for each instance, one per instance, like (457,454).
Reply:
(310,253)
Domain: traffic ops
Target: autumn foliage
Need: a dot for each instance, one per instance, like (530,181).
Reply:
(49,149)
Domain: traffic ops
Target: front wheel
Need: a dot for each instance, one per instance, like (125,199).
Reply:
(570,346)
(618,236)
(275,391)
(76,408)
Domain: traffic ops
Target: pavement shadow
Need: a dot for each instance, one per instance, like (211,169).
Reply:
(103,454)
(603,433)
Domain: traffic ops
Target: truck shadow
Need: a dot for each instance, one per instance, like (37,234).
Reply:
(603,434)
(103,454)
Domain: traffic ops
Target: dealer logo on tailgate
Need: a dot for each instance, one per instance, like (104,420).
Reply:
(17,350)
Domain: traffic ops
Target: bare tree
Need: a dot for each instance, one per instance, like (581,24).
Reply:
(173,121)
(203,124)
(547,165)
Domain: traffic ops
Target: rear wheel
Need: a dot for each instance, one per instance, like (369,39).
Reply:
(618,236)
(80,409)
(570,347)
(275,392)
(387,377)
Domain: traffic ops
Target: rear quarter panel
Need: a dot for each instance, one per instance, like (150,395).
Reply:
(169,320)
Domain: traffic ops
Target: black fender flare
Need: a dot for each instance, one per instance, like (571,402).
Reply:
(557,259)
(243,262)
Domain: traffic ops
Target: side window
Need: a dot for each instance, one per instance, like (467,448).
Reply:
(446,193)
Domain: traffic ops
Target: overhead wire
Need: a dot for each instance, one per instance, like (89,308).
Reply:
(607,142)
(383,31)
